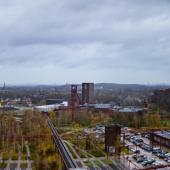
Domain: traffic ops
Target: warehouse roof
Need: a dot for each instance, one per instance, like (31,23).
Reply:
(164,134)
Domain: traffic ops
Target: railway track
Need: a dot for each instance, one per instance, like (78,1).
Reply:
(63,150)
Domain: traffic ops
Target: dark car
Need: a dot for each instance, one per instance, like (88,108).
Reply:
(162,155)
(156,151)
(146,135)
(147,148)
(139,140)
(135,157)
(137,151)
(148,162)
(141,159)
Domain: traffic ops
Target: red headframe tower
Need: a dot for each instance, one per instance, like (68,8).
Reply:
(75,100)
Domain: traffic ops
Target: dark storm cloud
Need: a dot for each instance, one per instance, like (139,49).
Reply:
(131,35)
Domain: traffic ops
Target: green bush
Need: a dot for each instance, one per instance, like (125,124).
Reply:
(24,165)
(24,150)
(3,165)
(24,157)
(5,156)
(14,156)
(1,146)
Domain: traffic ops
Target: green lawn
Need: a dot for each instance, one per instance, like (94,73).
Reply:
(88,163)
(97,153)
(107,161)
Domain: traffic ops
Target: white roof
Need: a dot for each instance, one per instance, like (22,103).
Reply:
(47,108)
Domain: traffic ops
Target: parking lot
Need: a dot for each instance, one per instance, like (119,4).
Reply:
(143,155)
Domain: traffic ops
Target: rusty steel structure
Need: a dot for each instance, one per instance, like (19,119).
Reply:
(112,137)
(75,100)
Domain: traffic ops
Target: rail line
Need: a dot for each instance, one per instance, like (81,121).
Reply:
(63,150)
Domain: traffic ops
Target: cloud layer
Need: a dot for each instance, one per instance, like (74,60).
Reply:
(51,41)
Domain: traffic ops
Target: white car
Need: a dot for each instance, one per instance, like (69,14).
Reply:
(167,154)
(157,163)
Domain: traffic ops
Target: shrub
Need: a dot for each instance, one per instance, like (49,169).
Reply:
(24,165)
(3,165)
(14,156)
(5,156)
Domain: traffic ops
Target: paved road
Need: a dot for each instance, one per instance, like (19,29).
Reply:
(28,156)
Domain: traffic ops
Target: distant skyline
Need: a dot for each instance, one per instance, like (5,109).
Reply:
(74,41)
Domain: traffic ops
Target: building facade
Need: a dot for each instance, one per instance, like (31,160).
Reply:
(87,93)
(161,138)
(112,138)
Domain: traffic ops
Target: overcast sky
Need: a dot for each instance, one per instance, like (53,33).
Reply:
(73,41)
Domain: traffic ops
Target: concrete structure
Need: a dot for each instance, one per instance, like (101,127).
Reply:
(161,138)
(54,101)
(52,107)
(112,138)
(128,109)
(75,101)
(87,93)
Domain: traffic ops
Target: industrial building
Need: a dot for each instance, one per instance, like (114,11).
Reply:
(51,107)
(161,138)
(54,101)
(112,138)
(87,93)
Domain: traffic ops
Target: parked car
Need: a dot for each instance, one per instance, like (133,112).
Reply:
(137,151)
(135,157)
(139,140)
(147,148)
(168,160)
(167,157)
(146,135)
(141,159)
(162,155)
(156,150)
(156,163)
(148,162)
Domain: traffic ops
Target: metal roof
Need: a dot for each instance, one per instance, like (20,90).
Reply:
(164,134)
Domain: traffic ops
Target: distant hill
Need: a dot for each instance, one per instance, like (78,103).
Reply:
(98,86)
(133,87)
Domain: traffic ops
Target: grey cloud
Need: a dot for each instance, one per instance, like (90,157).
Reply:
(126,35)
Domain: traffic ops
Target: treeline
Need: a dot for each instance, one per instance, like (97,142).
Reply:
(160,101)
(90,119)
(81,117)
(151,120)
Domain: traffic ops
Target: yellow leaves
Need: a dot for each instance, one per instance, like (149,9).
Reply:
(75,125)
(51,159)
(152,119)
(44,147)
